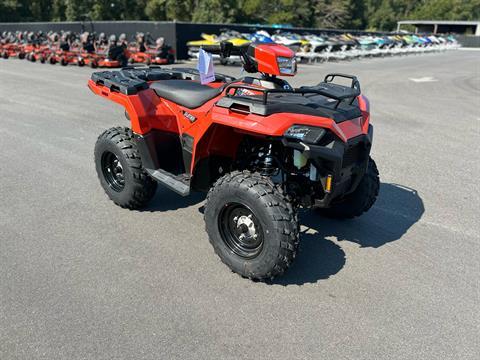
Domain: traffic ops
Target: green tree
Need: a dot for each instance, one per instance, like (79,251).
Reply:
(332,13)
(360,14)
(15,10)
(216,11)
(76,9)
(384,14)
(156,9)
(293,12)
(8,10)
(40,10)
(180,10)
(381,16)
(447,10)
(357,11)
(58,10)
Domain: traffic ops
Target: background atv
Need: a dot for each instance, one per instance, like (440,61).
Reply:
(258,146)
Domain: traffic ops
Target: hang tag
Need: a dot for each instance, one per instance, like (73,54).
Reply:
(205,67)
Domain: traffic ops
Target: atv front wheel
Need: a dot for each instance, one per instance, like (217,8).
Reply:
(119,168)
(252,226)
(359,201)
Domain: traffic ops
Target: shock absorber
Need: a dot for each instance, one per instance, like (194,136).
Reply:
(267,163)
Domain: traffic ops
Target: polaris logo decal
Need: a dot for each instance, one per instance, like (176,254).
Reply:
(189,116)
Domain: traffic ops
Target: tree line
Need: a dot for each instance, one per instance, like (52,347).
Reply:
(349,14)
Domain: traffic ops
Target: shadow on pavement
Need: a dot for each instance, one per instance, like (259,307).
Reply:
(320,256)
(396,210)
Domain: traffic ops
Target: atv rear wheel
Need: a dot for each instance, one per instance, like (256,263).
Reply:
(252,226)
(119,168)
(359,201)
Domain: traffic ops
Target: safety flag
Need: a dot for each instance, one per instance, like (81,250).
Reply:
(205,67)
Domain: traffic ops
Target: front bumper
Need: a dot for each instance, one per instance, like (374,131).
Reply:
(346,163)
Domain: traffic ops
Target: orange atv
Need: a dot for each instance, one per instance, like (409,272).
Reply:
(258,146)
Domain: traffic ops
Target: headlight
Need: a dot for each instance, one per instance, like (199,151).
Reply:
(287,65)
(308,134)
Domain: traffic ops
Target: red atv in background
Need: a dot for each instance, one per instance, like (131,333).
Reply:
(13,50)
(260,147)
(114,54)
(142,52)
(153,56)
(68,51)
(13,44)
(38,52)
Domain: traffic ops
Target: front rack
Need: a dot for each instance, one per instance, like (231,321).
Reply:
(326,88)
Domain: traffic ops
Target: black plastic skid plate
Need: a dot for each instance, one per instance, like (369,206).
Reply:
(131,80)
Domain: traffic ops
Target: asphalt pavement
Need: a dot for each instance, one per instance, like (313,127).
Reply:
(81,278)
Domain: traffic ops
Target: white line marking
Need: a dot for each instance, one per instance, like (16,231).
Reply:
(423,79)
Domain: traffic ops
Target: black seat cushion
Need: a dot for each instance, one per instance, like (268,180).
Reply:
(187,93)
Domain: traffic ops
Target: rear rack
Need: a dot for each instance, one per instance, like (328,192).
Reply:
(132,79)
(326,88)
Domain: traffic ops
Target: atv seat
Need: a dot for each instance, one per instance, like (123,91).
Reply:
(190,94)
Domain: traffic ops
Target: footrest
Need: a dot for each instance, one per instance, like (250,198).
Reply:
(178,183)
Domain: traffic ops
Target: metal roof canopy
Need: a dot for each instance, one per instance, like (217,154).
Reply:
(437,25)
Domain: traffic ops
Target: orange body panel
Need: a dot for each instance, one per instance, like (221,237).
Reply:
(218,130)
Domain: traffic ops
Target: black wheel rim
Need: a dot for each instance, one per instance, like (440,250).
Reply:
(241,231)
(113,171)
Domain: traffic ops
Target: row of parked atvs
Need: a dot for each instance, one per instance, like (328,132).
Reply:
(325,47)
(68,48)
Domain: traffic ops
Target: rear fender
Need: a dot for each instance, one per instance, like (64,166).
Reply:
(144,109)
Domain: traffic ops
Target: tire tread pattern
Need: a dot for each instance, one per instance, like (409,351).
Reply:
(144,185)
(283,215)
